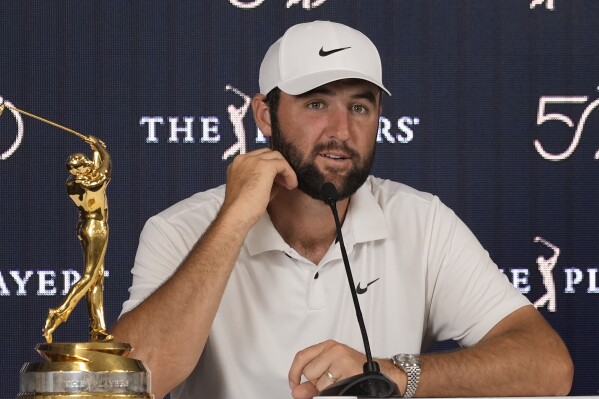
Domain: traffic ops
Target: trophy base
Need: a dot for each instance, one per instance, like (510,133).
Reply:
(89,370)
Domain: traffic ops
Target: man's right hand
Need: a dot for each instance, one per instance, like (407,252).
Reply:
(253,180)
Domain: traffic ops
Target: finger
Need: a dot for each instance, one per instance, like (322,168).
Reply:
(283,173)
(303,358)
(335,359)
(305,390)
(335,362)
(329,377)
(264,153)
(259,151)
(286,176)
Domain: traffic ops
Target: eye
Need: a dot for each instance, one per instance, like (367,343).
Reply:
(359,109)
(316,105)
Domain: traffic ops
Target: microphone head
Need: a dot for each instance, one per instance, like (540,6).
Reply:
(328,193)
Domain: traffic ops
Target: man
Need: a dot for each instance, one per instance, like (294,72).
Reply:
(241,292)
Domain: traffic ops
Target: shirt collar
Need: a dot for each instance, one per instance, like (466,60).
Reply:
(364,222)
(264,237)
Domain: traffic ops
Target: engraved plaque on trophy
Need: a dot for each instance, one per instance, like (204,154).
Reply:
(94,370)
(100,368)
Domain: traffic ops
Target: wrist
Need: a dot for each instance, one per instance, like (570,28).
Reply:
(237,220)
(410,365)
(393,372)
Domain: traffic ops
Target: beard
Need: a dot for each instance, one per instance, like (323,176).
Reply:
(310,178)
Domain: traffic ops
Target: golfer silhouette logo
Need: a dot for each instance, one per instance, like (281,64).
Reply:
(546,266)
(236,115)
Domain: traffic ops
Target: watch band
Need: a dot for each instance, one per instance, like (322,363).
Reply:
(410,364)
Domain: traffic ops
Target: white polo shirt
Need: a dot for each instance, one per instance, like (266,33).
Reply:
(422,274)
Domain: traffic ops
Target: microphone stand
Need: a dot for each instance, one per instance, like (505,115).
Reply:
(371,383)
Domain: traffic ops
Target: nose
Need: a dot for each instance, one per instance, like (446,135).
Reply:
(340,124)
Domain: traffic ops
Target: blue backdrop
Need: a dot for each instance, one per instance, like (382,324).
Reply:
(493,109)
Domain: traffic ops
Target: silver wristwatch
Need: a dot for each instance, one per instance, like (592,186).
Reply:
(410,364)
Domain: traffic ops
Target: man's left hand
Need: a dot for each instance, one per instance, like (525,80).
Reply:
(322,365)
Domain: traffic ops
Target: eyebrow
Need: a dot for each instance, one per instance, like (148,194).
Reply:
(366,94)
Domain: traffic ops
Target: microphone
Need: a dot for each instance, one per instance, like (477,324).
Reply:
(371,383)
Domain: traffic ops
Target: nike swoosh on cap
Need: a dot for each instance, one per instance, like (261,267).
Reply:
(324,53)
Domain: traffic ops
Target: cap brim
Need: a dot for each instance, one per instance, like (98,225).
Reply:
(308,82)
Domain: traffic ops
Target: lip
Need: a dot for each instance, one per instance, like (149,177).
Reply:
(335,155)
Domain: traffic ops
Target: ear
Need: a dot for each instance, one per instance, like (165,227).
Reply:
(262,114)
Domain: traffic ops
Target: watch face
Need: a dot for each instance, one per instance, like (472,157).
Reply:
(407,360)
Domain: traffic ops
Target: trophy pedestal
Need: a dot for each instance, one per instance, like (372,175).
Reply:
(89,370)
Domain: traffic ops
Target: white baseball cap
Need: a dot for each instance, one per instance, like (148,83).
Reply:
(312,54)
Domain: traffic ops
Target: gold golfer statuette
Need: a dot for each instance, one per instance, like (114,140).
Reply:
(100,369)
(87,188)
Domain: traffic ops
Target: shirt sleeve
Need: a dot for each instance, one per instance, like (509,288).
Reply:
(165,241)
(468,294)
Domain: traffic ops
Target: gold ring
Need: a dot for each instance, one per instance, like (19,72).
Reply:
(331,376)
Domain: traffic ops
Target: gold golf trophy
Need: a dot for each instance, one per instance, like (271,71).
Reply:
(100,368)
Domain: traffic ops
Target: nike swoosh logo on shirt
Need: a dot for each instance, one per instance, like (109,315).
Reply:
(324,53)
(361,290)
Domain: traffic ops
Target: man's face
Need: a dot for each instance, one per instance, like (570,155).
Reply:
(329,135)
